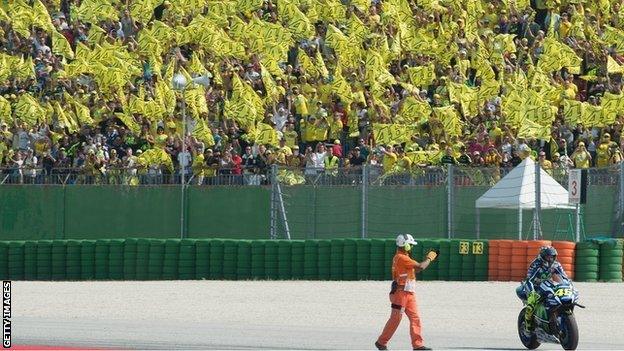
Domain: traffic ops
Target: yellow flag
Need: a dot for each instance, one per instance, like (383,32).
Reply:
(265,134)
(60,45)
(5,111)
(421,76)
(530,129)
(614,67)
(203,133)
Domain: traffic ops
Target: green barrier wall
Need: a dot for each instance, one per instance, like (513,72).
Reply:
(98,212)
(34,212)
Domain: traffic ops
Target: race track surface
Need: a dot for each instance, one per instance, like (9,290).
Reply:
(287,315)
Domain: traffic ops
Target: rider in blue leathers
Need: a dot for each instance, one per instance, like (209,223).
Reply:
(532,289)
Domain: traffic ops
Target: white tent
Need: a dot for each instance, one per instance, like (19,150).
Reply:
(518,190)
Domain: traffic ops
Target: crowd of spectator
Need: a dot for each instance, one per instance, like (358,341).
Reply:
(316,129)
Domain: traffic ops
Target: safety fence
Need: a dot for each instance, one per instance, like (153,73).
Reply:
(325,259)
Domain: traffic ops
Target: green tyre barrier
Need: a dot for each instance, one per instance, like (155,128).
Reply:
(202,258)
(87,260)
(587,252)
(349,257)
(4,260)
(297,257)
(586,260)
(444,259)
(480,250)
(73,260)
(16,260)
(310,260)
(363,257)
(336,259)
(324,259)
(130,259)
(455,261)
(390,249)
(142,258)
(257,259)
(102,248)
(284,260)
(59,253)
(156,259)
(187,260)
(271,259)
(243,267)
(217,254)
(115,259)
(230,251)
(30,260)
(377,259)
(170,260)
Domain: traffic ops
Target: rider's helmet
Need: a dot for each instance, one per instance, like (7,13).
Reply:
(548,255)
(405,241)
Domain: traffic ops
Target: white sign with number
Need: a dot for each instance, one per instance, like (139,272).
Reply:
(574,186)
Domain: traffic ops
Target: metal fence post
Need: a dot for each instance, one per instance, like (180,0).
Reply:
(620,219)
(449,200)
(538,203)
(364,213)
(273,210)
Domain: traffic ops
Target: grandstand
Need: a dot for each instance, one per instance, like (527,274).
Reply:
(306,93)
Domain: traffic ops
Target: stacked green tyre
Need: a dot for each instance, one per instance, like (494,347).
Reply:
(101,259)
(349,259)
(4,260)
(297,257)
(186,262)
(271,259)
(431,273)
(284,261)
(310,260)
(87,259)
(336,258)
(16,260)
(130,259)
(444,260)
(202,258)
(142,258)
(455,261)
(243,260)
(217,255)
(586,261)
(30,260)
(611,252)
(116,259)
(481,260)
(170,260)
(156,259)
(376,264)
(389,251)
(468,261)
(59,255)
(363,257)
(230,252)
(324,259)
(257,259)
(73,260)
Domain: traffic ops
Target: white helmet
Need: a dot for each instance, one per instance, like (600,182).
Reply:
(403,239)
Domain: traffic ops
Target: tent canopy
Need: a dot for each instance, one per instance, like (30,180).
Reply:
(517,190)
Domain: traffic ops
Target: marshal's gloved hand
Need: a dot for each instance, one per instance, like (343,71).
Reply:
(433,254)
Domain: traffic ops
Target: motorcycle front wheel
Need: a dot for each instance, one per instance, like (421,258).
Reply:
(569,330)
(530,342)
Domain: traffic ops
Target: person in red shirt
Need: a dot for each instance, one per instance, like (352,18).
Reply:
(236,163)
(402,294)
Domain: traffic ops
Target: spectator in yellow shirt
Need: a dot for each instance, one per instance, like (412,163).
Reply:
(581,157)
(300,103)
(389,158)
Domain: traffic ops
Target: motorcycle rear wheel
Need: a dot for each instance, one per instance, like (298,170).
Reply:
(530,342)
(569,340)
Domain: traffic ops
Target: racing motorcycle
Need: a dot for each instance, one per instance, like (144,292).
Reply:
(560,326)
